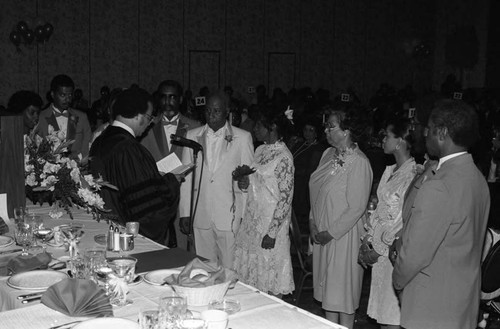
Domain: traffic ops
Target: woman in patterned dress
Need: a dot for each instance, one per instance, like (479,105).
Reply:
(386,221)
(339,190)
(262,249)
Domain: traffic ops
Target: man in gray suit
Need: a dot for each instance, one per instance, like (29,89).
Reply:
(157,140)
(438,267)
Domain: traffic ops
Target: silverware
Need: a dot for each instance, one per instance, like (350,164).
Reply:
(30,295)
(9,251)
(65,324)
(32,299)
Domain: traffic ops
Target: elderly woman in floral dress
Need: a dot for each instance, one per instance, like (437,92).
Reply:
(339,189)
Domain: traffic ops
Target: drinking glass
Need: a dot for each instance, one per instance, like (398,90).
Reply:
(44,234)
(24,236)
(79,267)
(36,223)
(149,319)
(173,310)
(72,233)
(123,273)
(96,258)
(132,228)
(19,213)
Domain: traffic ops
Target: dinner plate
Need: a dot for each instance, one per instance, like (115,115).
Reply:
(107,323)
(157,277)
(5,241)
(35,280)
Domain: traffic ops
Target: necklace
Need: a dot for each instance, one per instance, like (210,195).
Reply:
(302,148)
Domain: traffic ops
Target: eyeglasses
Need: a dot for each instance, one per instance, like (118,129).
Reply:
(330,126)
(149,116)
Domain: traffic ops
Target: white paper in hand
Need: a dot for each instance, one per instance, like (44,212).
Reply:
(172,164)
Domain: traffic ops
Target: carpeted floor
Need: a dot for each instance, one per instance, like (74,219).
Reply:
(362,320)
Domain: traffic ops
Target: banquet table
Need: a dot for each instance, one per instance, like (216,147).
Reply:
(258,309)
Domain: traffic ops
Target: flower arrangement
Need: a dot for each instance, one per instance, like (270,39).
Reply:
(51,176)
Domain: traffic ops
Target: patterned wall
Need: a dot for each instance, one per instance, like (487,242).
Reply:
(334,43)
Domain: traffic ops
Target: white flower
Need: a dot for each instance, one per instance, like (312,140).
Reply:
(50,129)
(90,180)
(51,167)
(49,182)
(61,135)
(75,175)
(31,180)
(90,198)
(29,168)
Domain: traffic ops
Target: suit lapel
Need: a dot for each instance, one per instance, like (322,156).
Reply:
(72,123)
(51,120)
(161,139)
(181,131)
(202,140)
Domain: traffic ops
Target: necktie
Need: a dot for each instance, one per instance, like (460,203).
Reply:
(63,114)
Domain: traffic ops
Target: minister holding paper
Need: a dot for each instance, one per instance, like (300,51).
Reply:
(226,147)
(143,194)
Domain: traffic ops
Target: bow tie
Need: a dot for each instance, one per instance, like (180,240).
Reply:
(63,114)
(170,123)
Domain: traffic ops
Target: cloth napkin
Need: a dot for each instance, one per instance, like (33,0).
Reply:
(3,227)
(78,297)
(202,274)
(20,263)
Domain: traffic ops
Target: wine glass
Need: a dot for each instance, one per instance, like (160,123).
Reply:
(173,310)
(19,213)
(44,234)
(123,272)
(23,234)
(36,223)
(72,233)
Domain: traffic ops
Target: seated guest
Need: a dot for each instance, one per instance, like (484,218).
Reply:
(28,103)
(143,195)
(62,117)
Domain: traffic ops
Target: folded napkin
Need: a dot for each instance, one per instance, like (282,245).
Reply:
(202,274)
(20,263)
(3,227)
(78,297)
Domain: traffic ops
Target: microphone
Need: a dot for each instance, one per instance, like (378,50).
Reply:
(181,141)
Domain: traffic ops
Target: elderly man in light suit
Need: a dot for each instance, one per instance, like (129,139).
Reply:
(220,204)
(157,140)
(61,116)
(438,265)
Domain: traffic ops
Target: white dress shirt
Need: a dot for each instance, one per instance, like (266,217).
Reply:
(62,121)
(448,157)
(215,140)
(170,129)
(120,124)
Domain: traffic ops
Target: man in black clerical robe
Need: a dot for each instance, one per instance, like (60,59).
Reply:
(143,194)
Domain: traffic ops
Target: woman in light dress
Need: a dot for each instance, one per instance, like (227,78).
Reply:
(339,190)
(386,221)
(262,249)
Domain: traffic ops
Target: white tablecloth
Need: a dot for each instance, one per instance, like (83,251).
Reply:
(258,310)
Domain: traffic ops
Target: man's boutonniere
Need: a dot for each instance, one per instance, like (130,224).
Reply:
(73,118)
(229,138)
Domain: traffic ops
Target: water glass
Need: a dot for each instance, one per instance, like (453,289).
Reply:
(95,258)
(79,268)
(23,234)
(173,310)
(132,228)
(19,213)
(123,267)
(149,319)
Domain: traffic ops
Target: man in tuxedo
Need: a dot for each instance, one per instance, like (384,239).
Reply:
(62,117)
(221,203)
(157,140)
(143,194)
(438,265)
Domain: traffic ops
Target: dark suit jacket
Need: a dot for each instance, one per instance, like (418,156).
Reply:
(78,129)
(156,141)
(143,194)
(439,262)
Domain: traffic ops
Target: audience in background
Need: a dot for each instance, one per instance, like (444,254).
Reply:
(62,117)
(28,103)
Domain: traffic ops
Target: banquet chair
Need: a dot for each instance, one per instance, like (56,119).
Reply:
(490,283)
(304,260)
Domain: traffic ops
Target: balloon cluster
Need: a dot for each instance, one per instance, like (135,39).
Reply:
(23,34)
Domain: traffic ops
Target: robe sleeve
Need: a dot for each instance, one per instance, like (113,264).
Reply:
(284,175)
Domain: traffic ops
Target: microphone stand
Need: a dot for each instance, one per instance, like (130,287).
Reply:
(190,237)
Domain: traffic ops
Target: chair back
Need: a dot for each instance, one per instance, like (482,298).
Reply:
(490,283)
(296,240)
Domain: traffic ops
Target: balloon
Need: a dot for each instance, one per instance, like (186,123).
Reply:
(22,26)
(48,30)
(40,33)
(28,36)
(15,38)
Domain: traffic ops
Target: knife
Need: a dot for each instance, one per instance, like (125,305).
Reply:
(9,251)
(29,300)
(30,295)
